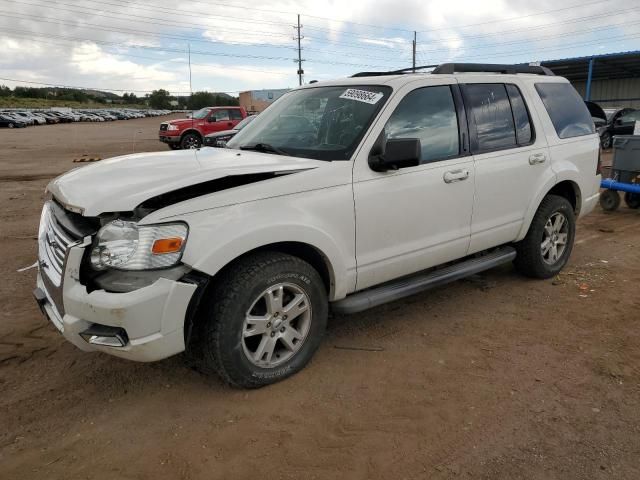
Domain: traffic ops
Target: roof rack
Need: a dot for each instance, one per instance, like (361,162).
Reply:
(450,68)
(392,72)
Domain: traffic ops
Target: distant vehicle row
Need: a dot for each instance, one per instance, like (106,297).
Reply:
(26,118)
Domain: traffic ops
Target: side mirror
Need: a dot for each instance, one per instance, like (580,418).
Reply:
(398,153)
(211,119)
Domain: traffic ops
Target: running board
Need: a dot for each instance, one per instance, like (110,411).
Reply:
(420,282)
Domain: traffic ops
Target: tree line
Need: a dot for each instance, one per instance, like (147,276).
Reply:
(159,99)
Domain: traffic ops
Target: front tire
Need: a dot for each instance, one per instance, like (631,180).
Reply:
(605,140)
(548,244)
(190,140)
(262,322)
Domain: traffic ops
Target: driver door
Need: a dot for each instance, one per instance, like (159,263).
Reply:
(417,217)
(218,121)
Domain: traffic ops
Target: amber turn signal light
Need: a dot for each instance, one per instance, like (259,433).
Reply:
(167,245)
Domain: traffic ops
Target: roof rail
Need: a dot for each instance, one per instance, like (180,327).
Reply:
(392,72)
(449,68)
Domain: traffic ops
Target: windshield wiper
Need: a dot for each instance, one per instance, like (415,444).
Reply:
(266,148)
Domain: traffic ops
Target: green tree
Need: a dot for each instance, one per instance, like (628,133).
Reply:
(160,99)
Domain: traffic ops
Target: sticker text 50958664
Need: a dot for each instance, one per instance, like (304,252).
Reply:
(362,96)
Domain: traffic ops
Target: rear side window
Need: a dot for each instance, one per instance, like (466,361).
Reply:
(568,113)
(236,115)
(490,111)
(520,115)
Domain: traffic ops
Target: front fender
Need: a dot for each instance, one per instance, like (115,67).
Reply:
(220,235)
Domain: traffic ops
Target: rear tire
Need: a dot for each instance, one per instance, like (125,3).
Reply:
(548,244)
(190,140)
(610,200)
(605,140)
(262,321)
(632,200)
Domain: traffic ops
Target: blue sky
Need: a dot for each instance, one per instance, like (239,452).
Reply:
(141,45)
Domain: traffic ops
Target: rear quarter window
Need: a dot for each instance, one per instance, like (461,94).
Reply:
(568,113)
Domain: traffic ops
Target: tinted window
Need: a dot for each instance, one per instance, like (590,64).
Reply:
(490,110)
(236,115)
(428,114)
(568,113)
(520,115)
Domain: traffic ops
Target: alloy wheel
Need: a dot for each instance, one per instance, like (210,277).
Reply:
(276,325)
(554,238)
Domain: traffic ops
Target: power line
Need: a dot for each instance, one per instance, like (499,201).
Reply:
(164,22)
(143,33)
(539,27)
(544,38)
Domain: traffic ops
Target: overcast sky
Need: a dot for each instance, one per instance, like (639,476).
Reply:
(141,45)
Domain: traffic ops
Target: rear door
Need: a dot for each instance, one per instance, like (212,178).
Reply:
(511,160)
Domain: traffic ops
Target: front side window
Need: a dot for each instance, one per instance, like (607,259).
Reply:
(324,123)
(200,114)
(221,115)
(489,108)
(428,114)
(631,117)
(568,113)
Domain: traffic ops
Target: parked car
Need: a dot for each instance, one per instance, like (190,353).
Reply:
(620,121)
(11,122)
(21,117)
(221,138)
(188,133)
(236,255)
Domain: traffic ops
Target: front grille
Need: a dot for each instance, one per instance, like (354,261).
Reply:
(54,242)
(163,126)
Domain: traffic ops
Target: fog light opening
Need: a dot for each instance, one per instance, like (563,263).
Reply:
(105,336)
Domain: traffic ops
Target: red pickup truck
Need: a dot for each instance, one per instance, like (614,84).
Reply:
(188,133)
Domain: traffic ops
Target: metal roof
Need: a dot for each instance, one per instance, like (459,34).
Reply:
(605,66)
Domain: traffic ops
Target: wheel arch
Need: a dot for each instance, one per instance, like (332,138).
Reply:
(191,130)
(567,188)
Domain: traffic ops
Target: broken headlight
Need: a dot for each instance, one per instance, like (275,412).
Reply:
(126,245)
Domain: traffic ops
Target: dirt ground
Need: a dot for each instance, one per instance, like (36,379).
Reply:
(495,377)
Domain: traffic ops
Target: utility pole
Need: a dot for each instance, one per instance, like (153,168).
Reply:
(299,38)
(415,35)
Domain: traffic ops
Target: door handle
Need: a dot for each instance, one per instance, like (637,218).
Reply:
(455,176)
(537,158)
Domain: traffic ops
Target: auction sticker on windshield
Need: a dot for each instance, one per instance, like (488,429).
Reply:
(362,96)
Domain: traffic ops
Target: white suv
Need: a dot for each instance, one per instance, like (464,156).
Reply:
(340,196)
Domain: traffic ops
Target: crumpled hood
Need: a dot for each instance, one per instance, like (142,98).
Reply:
(120,184)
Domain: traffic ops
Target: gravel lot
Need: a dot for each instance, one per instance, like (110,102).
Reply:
(495,377)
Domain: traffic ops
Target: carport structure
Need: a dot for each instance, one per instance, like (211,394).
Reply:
(608,79)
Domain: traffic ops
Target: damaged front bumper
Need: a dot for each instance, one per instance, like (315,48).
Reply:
(145,325)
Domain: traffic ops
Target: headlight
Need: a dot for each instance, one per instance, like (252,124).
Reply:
(172,127)
(128,246)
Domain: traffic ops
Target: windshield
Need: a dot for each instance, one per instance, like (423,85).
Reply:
(324,123)
(200,114)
